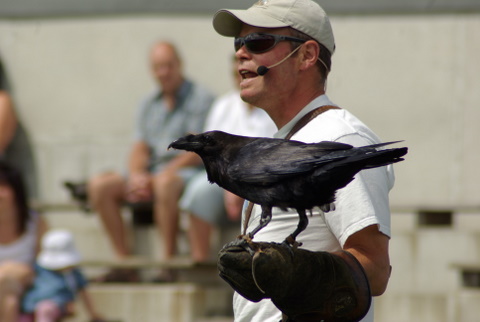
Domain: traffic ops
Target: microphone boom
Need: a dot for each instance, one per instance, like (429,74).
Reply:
(262,70)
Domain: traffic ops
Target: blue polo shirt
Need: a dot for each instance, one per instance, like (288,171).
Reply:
(158,126)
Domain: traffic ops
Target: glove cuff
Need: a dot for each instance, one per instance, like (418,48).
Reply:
(316,286)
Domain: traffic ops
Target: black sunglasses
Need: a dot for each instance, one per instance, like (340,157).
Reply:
(257,43)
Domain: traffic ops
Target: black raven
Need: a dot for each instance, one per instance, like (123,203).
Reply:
(283,173)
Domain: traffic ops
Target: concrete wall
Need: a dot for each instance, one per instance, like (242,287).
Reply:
(78,81)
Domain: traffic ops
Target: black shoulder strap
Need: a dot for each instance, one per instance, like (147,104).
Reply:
(301,123)
(308,117)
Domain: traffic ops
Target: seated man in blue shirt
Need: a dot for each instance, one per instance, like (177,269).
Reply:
(155,173)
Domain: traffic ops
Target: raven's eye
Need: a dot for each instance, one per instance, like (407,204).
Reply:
(208,140)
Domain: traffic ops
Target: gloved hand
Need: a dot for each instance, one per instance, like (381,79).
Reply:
(304,285)
(235,267)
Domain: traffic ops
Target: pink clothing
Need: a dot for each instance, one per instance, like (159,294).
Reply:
(45,311)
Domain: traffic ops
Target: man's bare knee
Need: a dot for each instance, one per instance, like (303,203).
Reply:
(165,180)
(167,186)
(106,185)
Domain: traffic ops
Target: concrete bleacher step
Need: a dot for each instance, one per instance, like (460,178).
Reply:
(466,306)
(410,306)
(456,306)
(205,273)
(178,302)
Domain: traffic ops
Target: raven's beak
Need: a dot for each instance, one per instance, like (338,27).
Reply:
(184,143)
(177,144)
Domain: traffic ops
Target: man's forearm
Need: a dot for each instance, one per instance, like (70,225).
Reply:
(370,248)
(183,160)
(139,158)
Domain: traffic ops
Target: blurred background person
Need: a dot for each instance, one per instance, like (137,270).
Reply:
(58,281)
(156,174)
(208,205)
(15,145)
(8,119)
(20,233)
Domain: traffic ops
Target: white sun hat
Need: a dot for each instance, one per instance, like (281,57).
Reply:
(303,15)
(58,250)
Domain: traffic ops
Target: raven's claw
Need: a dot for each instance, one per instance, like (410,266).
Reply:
(245,242)
(291,242)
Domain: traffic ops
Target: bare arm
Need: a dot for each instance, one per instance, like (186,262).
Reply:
(41,229)
(8,121)
(184,159)
(370,247)
(233,205)
(139,158)
(139,180)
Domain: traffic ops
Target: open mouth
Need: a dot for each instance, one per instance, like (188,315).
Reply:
(245,74)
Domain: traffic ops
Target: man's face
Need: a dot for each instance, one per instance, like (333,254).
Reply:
(166,68)
(264,91)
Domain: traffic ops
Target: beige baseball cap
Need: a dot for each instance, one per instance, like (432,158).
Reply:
(303,15)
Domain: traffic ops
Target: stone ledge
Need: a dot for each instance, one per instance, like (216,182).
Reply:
(182,302)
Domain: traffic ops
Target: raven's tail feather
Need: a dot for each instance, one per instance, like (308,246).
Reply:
(384,157)
(369,160)
(379,145)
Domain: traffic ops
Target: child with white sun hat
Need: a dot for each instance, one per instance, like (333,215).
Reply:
(58,280)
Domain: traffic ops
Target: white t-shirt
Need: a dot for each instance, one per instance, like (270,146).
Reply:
(231,114)
(361,203)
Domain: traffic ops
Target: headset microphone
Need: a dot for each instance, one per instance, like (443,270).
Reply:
(262,70)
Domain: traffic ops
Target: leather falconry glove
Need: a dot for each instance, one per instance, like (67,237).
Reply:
(304,285)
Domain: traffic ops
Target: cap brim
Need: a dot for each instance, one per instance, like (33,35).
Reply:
(229,22)
(58,261)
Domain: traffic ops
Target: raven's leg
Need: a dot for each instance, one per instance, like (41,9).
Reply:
(265,218)
(245,241)
(302,224)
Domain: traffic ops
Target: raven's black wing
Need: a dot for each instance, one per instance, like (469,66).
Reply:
(266,161)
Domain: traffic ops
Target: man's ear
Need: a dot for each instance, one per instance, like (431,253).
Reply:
(310,53)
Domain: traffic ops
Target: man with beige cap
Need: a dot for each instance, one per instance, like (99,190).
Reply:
(285,48)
